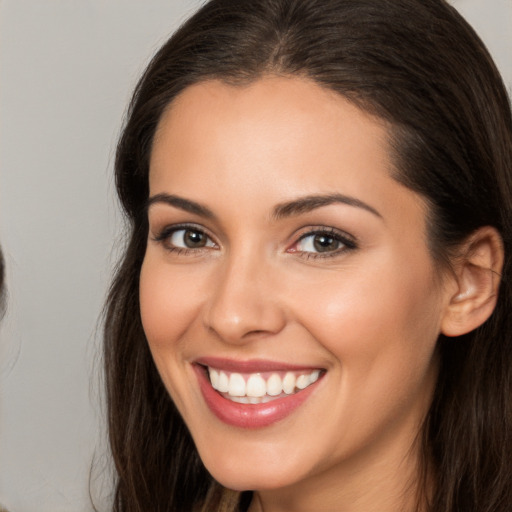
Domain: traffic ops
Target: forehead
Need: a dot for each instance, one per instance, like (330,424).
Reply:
(277,117)
(273,139)
(300,100)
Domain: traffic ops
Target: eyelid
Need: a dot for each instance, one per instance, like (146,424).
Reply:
(170,228)
(166,232)
(348,241)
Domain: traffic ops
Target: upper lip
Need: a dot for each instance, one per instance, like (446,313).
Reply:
(251,365)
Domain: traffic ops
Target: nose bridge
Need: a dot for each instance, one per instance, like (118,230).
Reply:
(244,300)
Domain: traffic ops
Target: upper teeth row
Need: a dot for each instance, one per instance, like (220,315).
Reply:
(256,386)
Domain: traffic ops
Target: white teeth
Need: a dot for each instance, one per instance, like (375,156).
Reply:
(250,399)
(256,390)
(289,383)
(240,399)
(223,385)
(314,376)
(274,385)
(256,386)
(236,385)
(303,381)
(214,378)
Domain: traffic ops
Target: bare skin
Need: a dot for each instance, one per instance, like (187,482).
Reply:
(346,286)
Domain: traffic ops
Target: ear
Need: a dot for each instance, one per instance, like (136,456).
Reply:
(477,274)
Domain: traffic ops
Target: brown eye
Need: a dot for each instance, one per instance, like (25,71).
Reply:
(194,239)
(327,242)
(324,243)
(187,238)
(318,243)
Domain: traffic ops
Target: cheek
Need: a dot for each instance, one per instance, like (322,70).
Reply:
(169,301)
(380,330)
(381,323)
(156,304)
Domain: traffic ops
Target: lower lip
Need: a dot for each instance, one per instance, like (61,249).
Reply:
(250,415)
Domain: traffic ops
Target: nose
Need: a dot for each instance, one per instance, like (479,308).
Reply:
(244,301)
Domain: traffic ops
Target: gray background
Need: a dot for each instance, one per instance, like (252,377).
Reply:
(67,68)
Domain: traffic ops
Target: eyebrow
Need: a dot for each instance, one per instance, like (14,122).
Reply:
(309,203)
(287,209)
(183,204)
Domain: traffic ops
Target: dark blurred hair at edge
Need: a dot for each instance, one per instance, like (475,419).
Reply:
(419,66)
(2,285)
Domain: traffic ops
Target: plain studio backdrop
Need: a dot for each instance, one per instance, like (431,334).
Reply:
(67,70)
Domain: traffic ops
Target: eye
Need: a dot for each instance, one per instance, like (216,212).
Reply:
(327,242)
(319,242)
(190,239)
(184,238)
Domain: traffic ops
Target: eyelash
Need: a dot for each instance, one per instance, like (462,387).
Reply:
(167,232)
(347,242)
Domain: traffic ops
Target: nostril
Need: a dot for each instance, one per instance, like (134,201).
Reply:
(256,333)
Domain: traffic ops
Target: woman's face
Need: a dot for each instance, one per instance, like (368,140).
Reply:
(287,268)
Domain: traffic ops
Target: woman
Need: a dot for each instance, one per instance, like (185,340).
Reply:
(312,312)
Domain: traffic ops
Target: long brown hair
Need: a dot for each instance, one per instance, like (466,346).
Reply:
(418,65)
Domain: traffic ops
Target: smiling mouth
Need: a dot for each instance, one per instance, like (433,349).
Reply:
(260,387)
(257,393)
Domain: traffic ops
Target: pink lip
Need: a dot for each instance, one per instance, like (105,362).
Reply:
(249,416)
(252,366)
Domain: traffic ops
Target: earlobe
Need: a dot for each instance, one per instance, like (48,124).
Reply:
(477,273)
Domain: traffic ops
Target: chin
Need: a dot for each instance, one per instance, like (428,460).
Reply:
(253,481)
(241,472)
